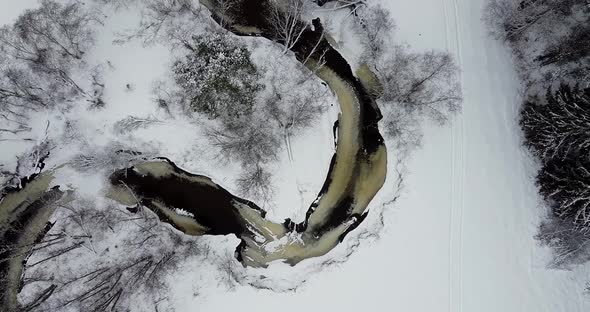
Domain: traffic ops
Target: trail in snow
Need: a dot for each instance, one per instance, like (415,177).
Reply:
(453,45)
(494,267)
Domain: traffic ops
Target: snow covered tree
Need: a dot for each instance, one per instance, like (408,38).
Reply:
(558,132)
(286,21)
(252,143)
(570,55)
(38,54)
(571,48)
(412,85)
(510,19)
(295,101)
(114,258)
(255,181)
(565,184)
(422,83)
(219,77)
(549,39)
(50,39)
(568,240)
(246,140)
(163,21)
(374,26)
(561,128)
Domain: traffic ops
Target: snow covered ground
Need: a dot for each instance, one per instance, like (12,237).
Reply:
(461,236)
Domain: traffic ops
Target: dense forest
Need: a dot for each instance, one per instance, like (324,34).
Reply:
(550,41)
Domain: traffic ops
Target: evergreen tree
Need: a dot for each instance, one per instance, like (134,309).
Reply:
(560,128)
(565,184)
(558,132)
(219,78)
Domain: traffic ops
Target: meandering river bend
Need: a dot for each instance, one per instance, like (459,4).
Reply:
(357,172)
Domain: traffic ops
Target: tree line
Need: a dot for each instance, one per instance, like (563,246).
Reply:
(550,41)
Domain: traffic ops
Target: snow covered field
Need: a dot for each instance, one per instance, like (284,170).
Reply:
(461,236)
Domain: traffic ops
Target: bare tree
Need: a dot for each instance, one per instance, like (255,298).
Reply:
(223,8)
(403,128)
(255,181)
(252,143)
(119,255)
(374,25)
(169,21)
(497,15)
(248,142)
(286,20)
(51,38)
(39,52)
(412,85)
(569,241)
(132,123)
(168,95)
(21,91)
(98,85)
(423,83)
(294,103)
